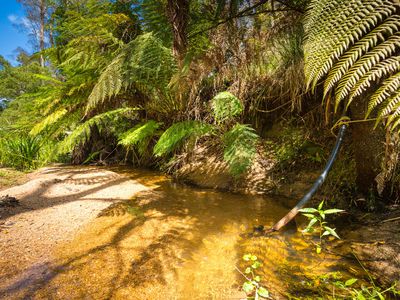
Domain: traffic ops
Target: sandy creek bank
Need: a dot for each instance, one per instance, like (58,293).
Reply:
(112,233)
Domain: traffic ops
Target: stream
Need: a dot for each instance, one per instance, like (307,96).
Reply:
(172,241)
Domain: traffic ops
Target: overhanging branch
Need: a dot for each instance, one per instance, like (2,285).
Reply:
(244,13)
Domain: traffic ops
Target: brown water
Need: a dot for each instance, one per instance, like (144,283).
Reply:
(177,242)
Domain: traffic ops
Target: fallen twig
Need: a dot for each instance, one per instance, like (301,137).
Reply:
(390,220)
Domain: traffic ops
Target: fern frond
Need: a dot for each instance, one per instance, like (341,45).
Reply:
(381,70)
(336,28)
(150,63)
(109,83)
(144,62)
(240,148)
(390,108)
(48,121)
(364,65)
(108,120)
(389,86)
(391,26)
(140,135)
(395,123)
(354,44)
(94,41)
(177,134)
(226,106)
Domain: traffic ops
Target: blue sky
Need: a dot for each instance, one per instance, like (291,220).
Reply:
(11,13)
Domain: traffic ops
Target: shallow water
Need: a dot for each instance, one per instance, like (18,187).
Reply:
(178,242)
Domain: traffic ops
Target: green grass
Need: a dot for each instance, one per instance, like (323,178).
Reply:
(10,177)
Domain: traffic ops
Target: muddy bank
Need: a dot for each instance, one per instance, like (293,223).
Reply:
(205,168)
(375,240)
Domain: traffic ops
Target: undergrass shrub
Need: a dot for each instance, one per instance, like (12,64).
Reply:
(23,152)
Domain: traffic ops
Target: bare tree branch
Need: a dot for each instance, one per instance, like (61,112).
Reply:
(243,14)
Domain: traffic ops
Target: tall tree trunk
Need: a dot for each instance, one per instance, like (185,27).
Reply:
(42,30)
(178,15)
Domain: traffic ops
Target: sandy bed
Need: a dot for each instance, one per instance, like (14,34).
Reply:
(55,204)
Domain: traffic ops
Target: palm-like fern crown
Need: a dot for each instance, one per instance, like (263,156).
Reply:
(144,63)
(90,38)
(93,40)
(353,45)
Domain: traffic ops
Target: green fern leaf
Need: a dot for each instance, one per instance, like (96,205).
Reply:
(103,121)
(178,133)
(369,41)
(144,63)
(381,70)
(364,65)
(140,135)
(109,84)
(226,106)
(338,27)
(49,120)
(390,108)
(353,45)
(390,85)
(240,148)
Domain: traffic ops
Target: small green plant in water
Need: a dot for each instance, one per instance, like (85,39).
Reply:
(252,286)
(366,292)
(318,223)
(335,286)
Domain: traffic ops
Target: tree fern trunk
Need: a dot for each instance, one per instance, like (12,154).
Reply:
(368,147)
(178,15)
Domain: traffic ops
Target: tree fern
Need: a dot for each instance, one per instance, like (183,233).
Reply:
(144,62)
(226,106)
(110,121)
(140,136)
(175,135)
(353,45)
(86,50)
(109,83)
(240,148)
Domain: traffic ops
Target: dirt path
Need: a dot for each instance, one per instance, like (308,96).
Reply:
(54,205)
